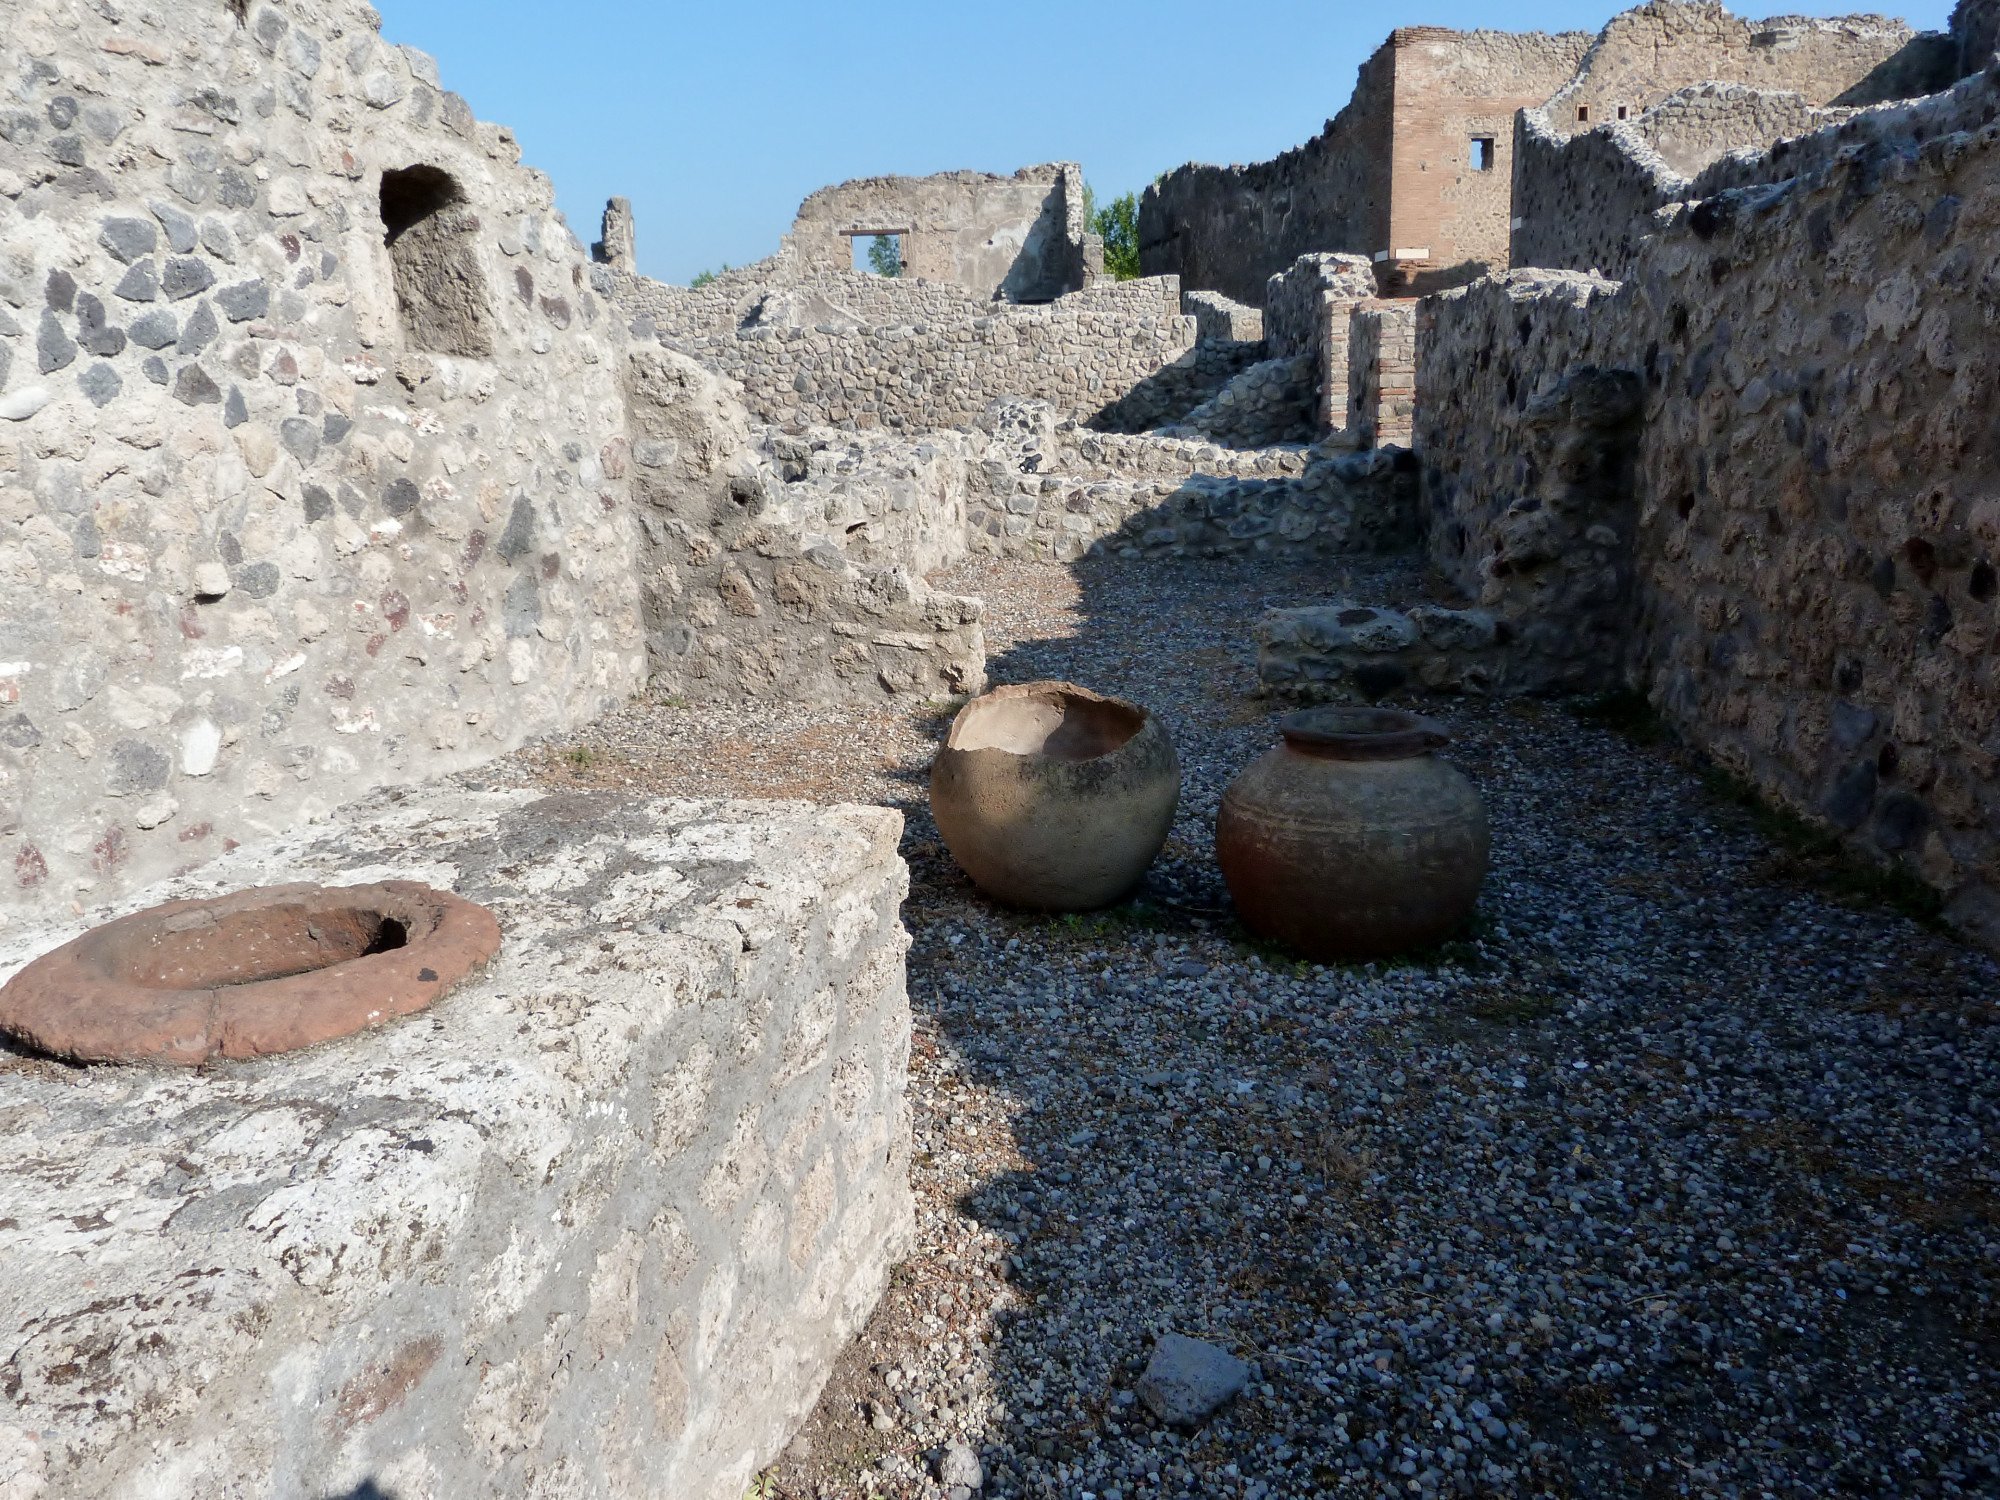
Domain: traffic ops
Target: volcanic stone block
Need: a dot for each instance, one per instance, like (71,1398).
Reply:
(607,1212)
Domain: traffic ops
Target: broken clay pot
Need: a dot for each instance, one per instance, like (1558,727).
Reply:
(1055,798)
(1351,840)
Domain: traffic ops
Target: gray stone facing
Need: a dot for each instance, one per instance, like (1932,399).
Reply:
(631,1217)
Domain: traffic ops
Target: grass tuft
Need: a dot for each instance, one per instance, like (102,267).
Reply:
(1813,855)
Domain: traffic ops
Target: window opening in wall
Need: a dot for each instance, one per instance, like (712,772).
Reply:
(1482,153)
(440,290)
(1621,111)
(1583,114)
(878,254)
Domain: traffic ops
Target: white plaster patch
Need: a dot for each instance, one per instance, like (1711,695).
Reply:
(207,661)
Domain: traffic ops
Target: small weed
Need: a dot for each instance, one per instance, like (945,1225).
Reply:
(1132,916)
(676,701)
(763,1487)
(1341,1160)
(580,759)
(1628,713)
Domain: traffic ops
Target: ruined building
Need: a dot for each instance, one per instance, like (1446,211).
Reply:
(332,464)
(1422,171)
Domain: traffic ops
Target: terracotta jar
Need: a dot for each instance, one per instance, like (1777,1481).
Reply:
(1352,840)
(1055,798)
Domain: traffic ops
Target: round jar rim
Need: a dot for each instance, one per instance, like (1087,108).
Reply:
(1353,733)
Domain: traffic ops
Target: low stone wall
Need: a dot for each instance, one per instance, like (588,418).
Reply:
(1216,317)
(1167,395)
(1104,455)
(1081,354)
(765,578)
(1272,402)
(778,293)
(1382,373)
(1353,653)
(597,1222)
(1293,503)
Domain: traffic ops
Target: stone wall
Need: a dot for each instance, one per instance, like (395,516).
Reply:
(1583,202)
(285,511)
(1309,312)
(1382,379)
(1081,354)
(1006,239)
(1644,54)
(777,569)
(1048,489)
(1392,173)
(1274,401)
(597,1223)
(1529,451)
(1216,317)
(1813,541)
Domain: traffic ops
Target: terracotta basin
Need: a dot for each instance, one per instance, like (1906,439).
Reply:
(1351,840)
(259,972)
(1055,798)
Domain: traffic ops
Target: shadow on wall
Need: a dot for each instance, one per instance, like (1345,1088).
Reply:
(1163,398)
(1925,64)
(1421,281)
(368,1489)
(1042,271)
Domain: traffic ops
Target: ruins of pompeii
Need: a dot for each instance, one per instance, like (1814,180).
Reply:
(1625,403)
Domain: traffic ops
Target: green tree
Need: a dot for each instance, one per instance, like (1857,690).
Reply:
(705,277)
(885,255)
(1118,223)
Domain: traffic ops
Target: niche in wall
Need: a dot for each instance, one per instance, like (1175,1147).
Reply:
(440,291)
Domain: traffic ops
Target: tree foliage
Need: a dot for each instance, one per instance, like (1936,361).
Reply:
(705,277)
(885,255)
(1118,223)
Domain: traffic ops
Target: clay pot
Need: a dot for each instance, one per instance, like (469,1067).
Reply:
(1052,797)
(1351,840)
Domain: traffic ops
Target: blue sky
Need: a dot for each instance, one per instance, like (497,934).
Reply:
(716,120)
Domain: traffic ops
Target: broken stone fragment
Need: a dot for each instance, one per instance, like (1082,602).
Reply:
(211,580)
(958,1468)
(1187,1380)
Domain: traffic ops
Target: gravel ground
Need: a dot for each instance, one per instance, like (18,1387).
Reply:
(1672,1177)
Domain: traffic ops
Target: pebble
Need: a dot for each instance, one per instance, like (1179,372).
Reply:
(1186,1380)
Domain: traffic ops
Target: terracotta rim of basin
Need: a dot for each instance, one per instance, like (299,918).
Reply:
(259,972)
(1362,733)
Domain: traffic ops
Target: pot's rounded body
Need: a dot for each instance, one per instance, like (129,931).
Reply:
(1351,840)
(1054,798)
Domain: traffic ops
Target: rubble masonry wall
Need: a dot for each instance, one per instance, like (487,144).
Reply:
(1813,534)
(259,550)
